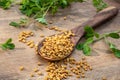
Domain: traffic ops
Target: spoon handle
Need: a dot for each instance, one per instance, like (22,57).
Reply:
(95,21)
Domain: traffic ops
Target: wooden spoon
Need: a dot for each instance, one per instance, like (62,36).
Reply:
(95,21)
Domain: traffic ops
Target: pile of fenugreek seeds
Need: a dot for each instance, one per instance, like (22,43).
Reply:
(66,68)
(23,38)
(57,46)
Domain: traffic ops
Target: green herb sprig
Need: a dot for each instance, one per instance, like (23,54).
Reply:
(99,4)
(7,45)
(92,36)
(21,23)
(5,4)
(38,9)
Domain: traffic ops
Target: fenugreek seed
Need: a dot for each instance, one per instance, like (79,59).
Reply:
(83,58)
(39,63)
(39,73)
(78,76)
(104,78)
(31,45)
(28,43)
(85,69)
(42,35)
(20,40)
(90,68)
(24,41)
(70,66)
(65,18)
(31,34)
(35,70)
(83,76)
(31,75)
(21,68)
(70,75)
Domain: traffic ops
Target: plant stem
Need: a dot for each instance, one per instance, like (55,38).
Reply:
(48,9)
(105,35)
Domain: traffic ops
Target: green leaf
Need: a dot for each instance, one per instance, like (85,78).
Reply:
(114,35)
(3,46)
(23,20)
(42,20)
(9,41)
(64,3)
(99,4)
(81,0)
(40,8)
(115,50)
(15,24)
(89,41)
(7,45)
(86,50)
(90,32)
(88,29)
(96,35)
(80,46)
(5,4)
(88,35)
(112,45)
(10,46)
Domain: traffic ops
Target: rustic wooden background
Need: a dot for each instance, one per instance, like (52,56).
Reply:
(104,63)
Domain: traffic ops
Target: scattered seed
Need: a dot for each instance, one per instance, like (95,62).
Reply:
(78,76)
(83,76)
(39,63)
(39,73)
(65,18)
(104,78)
(21,68)
(42,35)
(90,68)
(31,75)
(83,58)
(35,70)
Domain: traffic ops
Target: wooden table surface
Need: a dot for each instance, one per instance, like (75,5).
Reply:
(104,63)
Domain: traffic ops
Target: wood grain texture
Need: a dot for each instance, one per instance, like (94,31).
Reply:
(104,63)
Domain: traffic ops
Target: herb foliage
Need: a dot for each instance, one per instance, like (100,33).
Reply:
(7,45)
(92,36)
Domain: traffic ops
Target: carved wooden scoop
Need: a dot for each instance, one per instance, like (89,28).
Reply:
(95,21)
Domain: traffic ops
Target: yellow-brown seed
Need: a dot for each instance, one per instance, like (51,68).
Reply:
(83,58)
(104,78)
(83,76)
(21,68)
(31,75)
(31,45)
(39,73)
(65,18)
(35,69)
(39,63)
(78,76)
(42,35)
(90,68)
